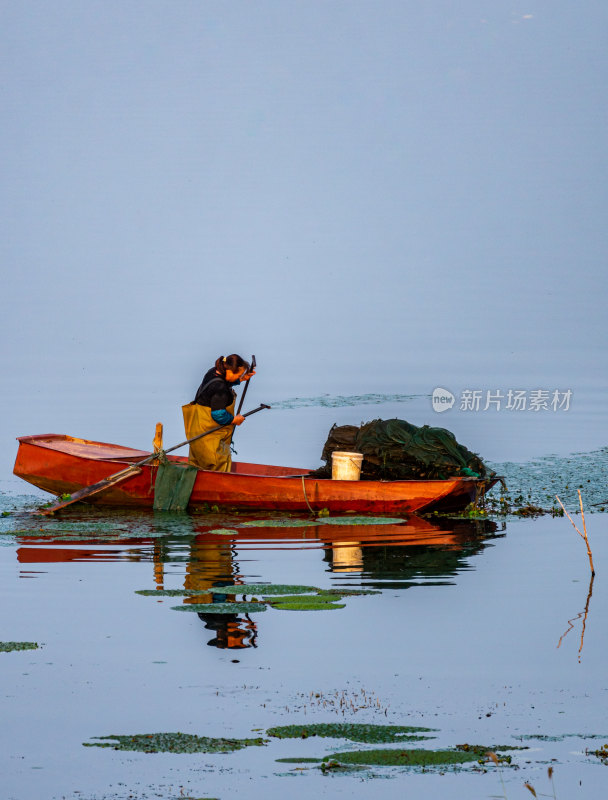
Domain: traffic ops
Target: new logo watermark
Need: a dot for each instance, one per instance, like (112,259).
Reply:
(442,399)
(503,400)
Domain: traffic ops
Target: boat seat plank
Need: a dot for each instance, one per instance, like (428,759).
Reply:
(99,452)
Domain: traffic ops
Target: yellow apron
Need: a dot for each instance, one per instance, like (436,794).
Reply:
(212,451)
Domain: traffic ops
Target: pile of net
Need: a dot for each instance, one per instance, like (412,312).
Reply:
(393,450)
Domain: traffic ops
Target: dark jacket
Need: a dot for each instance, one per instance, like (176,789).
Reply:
(216,393)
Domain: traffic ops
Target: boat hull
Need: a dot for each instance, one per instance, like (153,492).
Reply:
(62,464)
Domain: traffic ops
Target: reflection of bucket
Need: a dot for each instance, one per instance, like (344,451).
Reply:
(346,466)
(346,557)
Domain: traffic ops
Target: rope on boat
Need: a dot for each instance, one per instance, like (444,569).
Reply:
(306,498)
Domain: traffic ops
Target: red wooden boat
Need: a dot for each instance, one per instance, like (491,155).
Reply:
(62,464)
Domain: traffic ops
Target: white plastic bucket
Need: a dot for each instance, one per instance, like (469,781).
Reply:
(346,466)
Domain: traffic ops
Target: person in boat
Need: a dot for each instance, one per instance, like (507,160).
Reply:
(213,405)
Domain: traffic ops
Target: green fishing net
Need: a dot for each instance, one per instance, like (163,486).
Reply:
(394,449)
(173,486)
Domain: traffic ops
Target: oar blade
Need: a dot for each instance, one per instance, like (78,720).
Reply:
(106,483)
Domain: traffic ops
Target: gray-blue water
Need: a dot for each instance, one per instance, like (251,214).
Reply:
(379,200)
(463,636)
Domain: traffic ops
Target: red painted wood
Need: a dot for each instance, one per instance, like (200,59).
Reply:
(63,465)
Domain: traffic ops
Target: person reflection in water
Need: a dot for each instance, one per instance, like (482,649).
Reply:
(210,567)
(232,631)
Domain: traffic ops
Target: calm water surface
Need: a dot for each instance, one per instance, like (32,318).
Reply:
(461,638)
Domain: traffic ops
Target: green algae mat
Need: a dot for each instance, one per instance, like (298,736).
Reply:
(386,757)
(9,647)
(171,592)
(360,520)
(314,604)
(172,743)
(266,589)
(278,523)
(400,757)
(397,757)
(303,523)
(224,532)
(283,597)
(370,734)
(222,608)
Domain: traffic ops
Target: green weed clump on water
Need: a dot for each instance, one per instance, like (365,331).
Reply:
(9,647)
(173,743)
(310,606)
(361,520)
(284,597)
(298,760)
(172,592)
(222,608)
(288,598)
(323,519)
(278,523)
(224,532)
(323,600)
(398,757)
(267,589)
(317,602)
(481,751)
(370,734)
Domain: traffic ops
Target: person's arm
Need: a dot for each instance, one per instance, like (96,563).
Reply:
(222,416)
(219,412)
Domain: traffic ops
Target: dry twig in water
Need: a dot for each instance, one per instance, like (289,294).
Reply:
(582,535)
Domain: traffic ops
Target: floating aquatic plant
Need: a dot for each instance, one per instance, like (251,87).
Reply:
(280,522)
(350,520)
(172,592)
(8,647)
(397,757)
(319,598)
(285,522)
(267,589)
(335,766)
(222,608)
(536,482)
(224,532)
(370,734)
(493,752)
(308,606)
(172,743)
(482,749)
(324,766)
(284,597)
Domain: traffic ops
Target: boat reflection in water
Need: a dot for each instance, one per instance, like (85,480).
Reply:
(205,557)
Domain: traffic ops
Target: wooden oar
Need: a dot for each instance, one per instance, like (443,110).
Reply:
(133,469)
(252,367)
